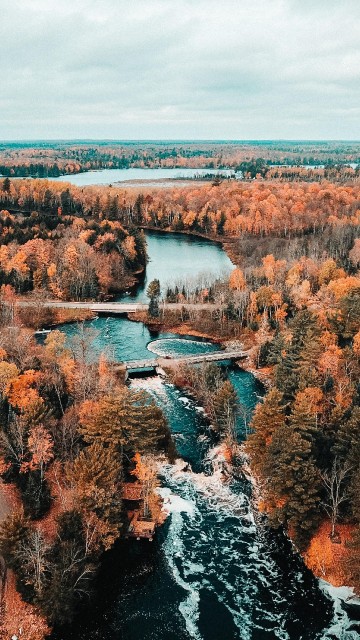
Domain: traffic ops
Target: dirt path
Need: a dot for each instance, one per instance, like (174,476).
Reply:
(5,506)
(5,510)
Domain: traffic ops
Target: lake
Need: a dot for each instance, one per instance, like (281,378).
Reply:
(114,176)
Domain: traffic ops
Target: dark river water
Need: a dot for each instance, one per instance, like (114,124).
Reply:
(214,570)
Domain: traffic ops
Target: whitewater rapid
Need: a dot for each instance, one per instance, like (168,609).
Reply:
(235,581)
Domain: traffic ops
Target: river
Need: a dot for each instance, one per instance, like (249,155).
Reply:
(177,259)
(214,571)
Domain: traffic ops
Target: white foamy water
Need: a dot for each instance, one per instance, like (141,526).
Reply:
(210,545)
(341,622)
(216,547)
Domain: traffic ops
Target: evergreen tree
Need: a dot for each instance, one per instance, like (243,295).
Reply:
(268,418)
(347,440)
(113,212)
(303,418)
(347,321)
(153,309)
(95,475)
(290,369)
(153,292)
(225,404)
(35,493)
(221,224)
(13,531)
(6,185)
(97,208)
(212,375)
(138,208)
(66,201)
(294,484)
(127,419)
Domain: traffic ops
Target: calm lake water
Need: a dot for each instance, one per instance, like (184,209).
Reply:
(177,258)
(113,176)
(214,570)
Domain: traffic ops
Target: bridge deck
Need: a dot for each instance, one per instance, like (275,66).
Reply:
(112,307)
(218,356)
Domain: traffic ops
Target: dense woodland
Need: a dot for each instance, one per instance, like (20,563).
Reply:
(71,434)
(57,251)
(42,160)
(293,301)
(229,209)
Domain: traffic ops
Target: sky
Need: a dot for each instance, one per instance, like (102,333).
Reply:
(180,69)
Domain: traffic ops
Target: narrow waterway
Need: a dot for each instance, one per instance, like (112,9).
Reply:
(214,571)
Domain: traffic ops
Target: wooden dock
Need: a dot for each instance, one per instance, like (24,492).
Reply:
(138,527)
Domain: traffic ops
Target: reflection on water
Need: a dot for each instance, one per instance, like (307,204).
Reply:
(178,259)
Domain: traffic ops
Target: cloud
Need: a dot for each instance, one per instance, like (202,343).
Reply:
(179,69)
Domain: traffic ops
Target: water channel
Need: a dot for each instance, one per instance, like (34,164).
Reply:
(214,571)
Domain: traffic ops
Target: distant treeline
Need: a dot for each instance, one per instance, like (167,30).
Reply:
(252,158)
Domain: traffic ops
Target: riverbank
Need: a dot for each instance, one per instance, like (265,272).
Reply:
(15,613)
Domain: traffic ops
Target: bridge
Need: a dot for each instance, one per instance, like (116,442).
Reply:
(120,308)
(217,356)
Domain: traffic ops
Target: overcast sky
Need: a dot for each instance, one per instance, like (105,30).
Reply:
(180,69)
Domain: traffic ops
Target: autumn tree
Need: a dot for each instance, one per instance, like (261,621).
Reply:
(146,471)
(334,482)
(153,292)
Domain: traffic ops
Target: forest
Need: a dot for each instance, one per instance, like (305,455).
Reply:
(57,250)
(293,161)
(72,433)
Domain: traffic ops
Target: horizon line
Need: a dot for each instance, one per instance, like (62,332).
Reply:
(179,140)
